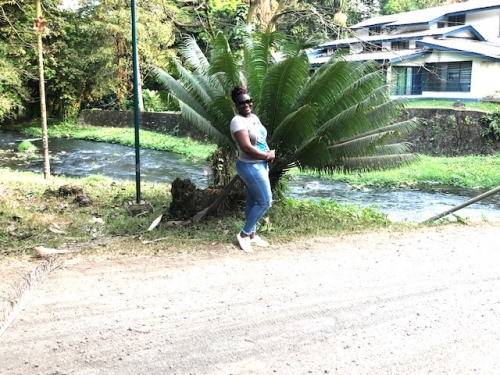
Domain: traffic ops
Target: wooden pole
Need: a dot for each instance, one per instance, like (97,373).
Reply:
(40,24)
(465,204)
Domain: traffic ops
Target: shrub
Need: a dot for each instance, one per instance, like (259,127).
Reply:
(26,146)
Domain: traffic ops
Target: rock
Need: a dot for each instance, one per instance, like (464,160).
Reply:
(83,201)
(70,189)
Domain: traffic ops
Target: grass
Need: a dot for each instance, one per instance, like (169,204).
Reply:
(480,172)
(480,106)
(126,136)
(30,209)
(26,146)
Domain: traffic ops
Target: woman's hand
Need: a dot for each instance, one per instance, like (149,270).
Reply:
(271,154)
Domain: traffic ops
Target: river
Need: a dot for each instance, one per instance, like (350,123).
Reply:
(78,158)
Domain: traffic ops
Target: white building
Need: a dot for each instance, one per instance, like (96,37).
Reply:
(445,52)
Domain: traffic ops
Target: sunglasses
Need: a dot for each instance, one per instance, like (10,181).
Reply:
(243,102)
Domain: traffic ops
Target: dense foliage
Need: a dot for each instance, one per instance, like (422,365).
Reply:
(88,51)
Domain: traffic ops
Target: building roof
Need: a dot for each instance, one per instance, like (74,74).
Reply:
(380,57)
(394,37)
(429,16)
(472,48)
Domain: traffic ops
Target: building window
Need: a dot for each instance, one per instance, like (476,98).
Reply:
(448,77)
(452,21)
(406,80)
(377,30)
(372,47)
(398,46)
(456,20)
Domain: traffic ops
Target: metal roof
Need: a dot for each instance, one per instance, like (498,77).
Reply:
(430,15)
(472,48)
(381,57)
(440,33)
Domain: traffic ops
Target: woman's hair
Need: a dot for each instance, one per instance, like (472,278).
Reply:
(237,91)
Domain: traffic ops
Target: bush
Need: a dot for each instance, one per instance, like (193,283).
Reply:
(26,146)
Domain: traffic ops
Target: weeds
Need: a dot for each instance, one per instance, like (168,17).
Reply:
(30,209)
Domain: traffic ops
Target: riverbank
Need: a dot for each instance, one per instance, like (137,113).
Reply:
(480,172)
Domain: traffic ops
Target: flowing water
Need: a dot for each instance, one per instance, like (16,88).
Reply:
(77,158)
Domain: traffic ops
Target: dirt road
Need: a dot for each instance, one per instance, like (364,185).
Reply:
(427,301)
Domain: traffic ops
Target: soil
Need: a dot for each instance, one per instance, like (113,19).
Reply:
(413,302)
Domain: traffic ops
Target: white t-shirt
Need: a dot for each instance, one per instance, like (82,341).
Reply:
(256,131)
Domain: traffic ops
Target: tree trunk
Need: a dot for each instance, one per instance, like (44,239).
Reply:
(40,24)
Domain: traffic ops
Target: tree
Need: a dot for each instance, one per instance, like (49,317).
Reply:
(340,119)
(108,25)
(399,6)
(39,24)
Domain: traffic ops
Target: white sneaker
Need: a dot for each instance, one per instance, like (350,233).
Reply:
(244,243)
(259,241)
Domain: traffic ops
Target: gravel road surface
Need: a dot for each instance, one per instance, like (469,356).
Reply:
(425,301)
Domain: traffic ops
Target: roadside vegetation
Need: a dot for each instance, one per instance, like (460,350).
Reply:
(34,212)
(480,172)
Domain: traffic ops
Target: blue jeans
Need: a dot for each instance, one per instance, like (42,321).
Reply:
(258,192)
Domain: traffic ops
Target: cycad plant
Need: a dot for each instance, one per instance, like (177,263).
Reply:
(338,119)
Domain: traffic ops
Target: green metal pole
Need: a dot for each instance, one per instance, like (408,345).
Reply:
(136,106)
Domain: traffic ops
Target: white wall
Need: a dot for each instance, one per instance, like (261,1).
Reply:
(485,78)
(487,23)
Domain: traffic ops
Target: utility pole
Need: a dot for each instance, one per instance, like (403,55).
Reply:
(39,25)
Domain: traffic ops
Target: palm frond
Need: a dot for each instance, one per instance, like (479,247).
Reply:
(282,84)
(326,84)
(374,144)
(294,130)
(360,146)
(389,109)
(393,148)
(343,124)
(364,89)
(222,111)
(401,128)
(371,163)
(314,156)
(223,63)
(256,61)
(195,83)
(204,125)
(193,55)
(180,92)
(205,87)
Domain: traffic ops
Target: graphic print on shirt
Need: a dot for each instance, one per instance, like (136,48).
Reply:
(258,135)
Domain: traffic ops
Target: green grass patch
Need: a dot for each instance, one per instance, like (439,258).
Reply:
(480,106)
(26,146)
(195,150)
(466,171)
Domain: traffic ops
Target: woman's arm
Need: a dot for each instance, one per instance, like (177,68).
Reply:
(243,140)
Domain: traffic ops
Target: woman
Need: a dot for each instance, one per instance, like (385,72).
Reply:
(252,166)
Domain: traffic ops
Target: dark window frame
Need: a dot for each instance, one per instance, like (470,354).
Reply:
(448,77)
